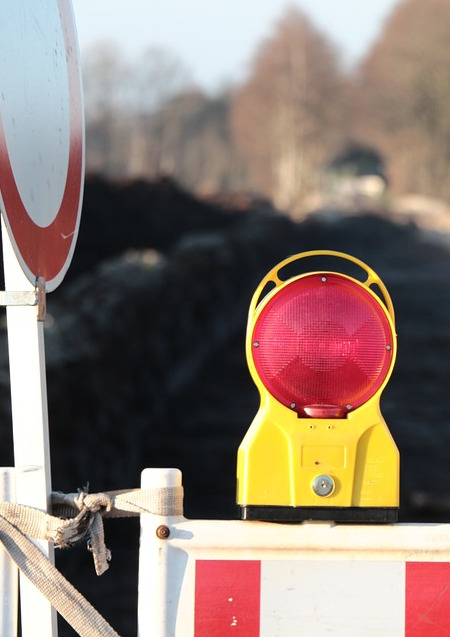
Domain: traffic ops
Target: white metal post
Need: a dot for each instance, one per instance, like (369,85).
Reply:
(153,614)
(9,581)
(30,428)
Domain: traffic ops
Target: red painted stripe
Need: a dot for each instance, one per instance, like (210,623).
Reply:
(227,598)
(427,599)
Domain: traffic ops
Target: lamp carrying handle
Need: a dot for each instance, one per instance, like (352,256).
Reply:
(272,279)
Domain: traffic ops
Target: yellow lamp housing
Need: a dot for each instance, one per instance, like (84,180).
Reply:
(320,347)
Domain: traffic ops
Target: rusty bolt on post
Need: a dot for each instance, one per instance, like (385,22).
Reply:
(163,532)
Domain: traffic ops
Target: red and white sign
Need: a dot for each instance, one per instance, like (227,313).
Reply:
(251,598)
(41,134)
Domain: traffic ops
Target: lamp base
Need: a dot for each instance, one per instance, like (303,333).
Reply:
(268,513)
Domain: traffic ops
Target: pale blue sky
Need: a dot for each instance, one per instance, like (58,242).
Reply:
(216,39)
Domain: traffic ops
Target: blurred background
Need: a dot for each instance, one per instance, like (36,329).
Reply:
(272,100)
(199,180)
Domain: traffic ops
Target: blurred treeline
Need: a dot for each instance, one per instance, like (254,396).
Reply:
(299,107)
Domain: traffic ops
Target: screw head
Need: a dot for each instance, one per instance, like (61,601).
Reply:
(163,532)
(323,485)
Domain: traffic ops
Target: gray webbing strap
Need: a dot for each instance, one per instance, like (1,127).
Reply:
(77,517)
(69,603)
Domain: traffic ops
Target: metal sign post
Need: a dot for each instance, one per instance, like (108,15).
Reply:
(30,426)
(41,181)
(9,580)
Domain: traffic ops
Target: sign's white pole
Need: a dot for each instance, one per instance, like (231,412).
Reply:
(9,581)
(30,428)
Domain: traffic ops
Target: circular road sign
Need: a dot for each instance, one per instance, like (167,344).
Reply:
(41,134)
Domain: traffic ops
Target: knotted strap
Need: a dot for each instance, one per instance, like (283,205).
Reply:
(77,517)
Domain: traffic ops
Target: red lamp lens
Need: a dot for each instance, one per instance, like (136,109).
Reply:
(322,345)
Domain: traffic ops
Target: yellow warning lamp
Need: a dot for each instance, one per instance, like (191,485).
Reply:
(320,347)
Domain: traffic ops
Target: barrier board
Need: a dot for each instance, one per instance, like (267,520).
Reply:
(212,578)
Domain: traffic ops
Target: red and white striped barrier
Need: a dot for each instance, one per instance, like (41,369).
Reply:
(253,598)
(237,578)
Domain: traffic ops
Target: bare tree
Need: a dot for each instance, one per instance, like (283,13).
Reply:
(285,117)
(146,119)
(205,158)
(122,102)
(105,79)
(404,93)
(158,77)
(272,135)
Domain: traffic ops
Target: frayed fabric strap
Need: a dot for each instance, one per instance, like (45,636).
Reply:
(80,515)
(123,503)
(76,517)
(69,603)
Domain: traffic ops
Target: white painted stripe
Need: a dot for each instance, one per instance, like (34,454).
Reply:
(343,599)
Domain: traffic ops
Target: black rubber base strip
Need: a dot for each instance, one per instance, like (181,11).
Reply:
(333,514)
